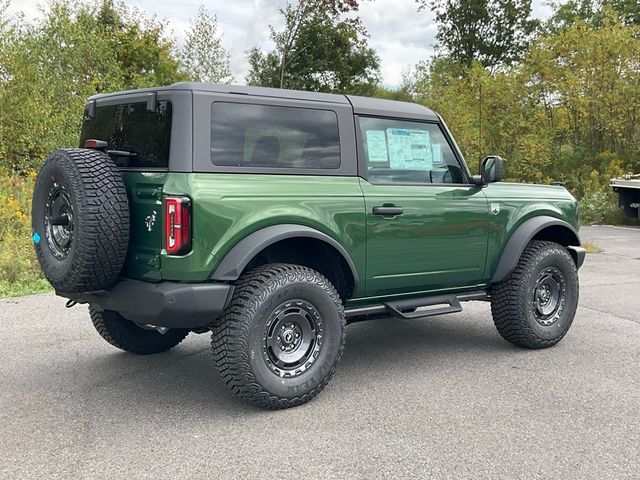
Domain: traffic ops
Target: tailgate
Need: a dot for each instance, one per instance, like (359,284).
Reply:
(144,190)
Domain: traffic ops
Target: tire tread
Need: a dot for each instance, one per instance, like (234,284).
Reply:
(229,341)
(125,335)
(509,309)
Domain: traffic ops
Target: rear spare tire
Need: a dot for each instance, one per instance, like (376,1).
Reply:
(80,220)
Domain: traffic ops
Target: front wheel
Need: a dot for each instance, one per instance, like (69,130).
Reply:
(534,307)
(278,342)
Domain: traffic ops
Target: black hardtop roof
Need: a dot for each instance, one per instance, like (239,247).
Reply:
(361,105)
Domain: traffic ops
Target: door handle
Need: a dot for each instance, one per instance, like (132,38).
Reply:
(388,211)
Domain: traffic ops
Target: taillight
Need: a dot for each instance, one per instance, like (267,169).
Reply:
(177,225)
(95,144)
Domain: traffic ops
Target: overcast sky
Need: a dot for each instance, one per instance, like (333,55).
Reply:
(401,36)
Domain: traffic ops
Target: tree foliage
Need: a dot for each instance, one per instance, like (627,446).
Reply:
(592,12)
(203,56)
(493,32)
(569,111)
(317,50)
(50,68)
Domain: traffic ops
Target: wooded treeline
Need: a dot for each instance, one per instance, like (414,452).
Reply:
(559,99)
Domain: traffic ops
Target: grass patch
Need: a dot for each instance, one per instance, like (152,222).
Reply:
(20,272)
(590,247)
(17,289)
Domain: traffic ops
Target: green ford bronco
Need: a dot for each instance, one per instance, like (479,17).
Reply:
(272,218)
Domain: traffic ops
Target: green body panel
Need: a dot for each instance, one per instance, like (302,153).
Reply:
(228,207)
(519,202)
(447,239)
(439,241)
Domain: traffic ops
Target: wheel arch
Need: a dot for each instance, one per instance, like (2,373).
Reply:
(296,244)
(537,228)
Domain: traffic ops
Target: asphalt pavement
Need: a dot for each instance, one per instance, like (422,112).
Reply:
(444,397)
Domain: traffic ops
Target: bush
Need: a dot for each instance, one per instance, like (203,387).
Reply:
(600,206)
(19,269)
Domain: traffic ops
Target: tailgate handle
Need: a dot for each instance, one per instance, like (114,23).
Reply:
(153,193)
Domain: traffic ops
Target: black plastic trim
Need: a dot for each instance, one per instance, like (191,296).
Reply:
(387,211)
(521,237)
(578,254)
(242,253)
(164,304)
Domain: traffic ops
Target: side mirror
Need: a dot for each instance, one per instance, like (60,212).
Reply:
(491,169)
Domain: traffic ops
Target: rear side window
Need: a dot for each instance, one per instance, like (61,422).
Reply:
(136,137)
(246,135)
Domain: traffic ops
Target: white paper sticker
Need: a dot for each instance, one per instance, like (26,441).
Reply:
(409,149)
(437,153)
(377,146)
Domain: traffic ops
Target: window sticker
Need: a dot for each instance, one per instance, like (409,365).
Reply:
(437,153)
(409,149)
(377,146)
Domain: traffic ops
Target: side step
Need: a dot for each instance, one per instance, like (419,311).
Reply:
(415,307)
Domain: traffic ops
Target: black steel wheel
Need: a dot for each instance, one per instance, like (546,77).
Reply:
(549,296)
(278,342)
(292,338)
(58,220)
(534,307)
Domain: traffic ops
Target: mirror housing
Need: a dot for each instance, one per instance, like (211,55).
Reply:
(491,168)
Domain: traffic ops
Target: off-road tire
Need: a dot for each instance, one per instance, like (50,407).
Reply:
(127,336)
(238,339)
(513,302)
(98,202)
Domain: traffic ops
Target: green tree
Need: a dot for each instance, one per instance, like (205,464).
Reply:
(50,67)
(493,32)
(591,12)
(587,79)
(317,50)
(203,56)
(568,111)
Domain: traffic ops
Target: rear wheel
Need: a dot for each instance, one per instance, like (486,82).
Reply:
(131,337)
(534,307)
(278,342)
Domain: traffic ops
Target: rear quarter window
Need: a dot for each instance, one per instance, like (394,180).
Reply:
(248,135)
(130,127)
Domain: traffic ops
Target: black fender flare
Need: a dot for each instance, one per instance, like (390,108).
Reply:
(523,235)
(236,259)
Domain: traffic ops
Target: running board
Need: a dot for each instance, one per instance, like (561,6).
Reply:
(413,308)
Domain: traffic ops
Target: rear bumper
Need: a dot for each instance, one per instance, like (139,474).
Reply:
(164,304)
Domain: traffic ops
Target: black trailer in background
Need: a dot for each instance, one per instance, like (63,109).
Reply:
(628,190)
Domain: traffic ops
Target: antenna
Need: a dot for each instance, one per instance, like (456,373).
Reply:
(480,119)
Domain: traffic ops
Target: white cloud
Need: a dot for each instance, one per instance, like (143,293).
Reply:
(401,35)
